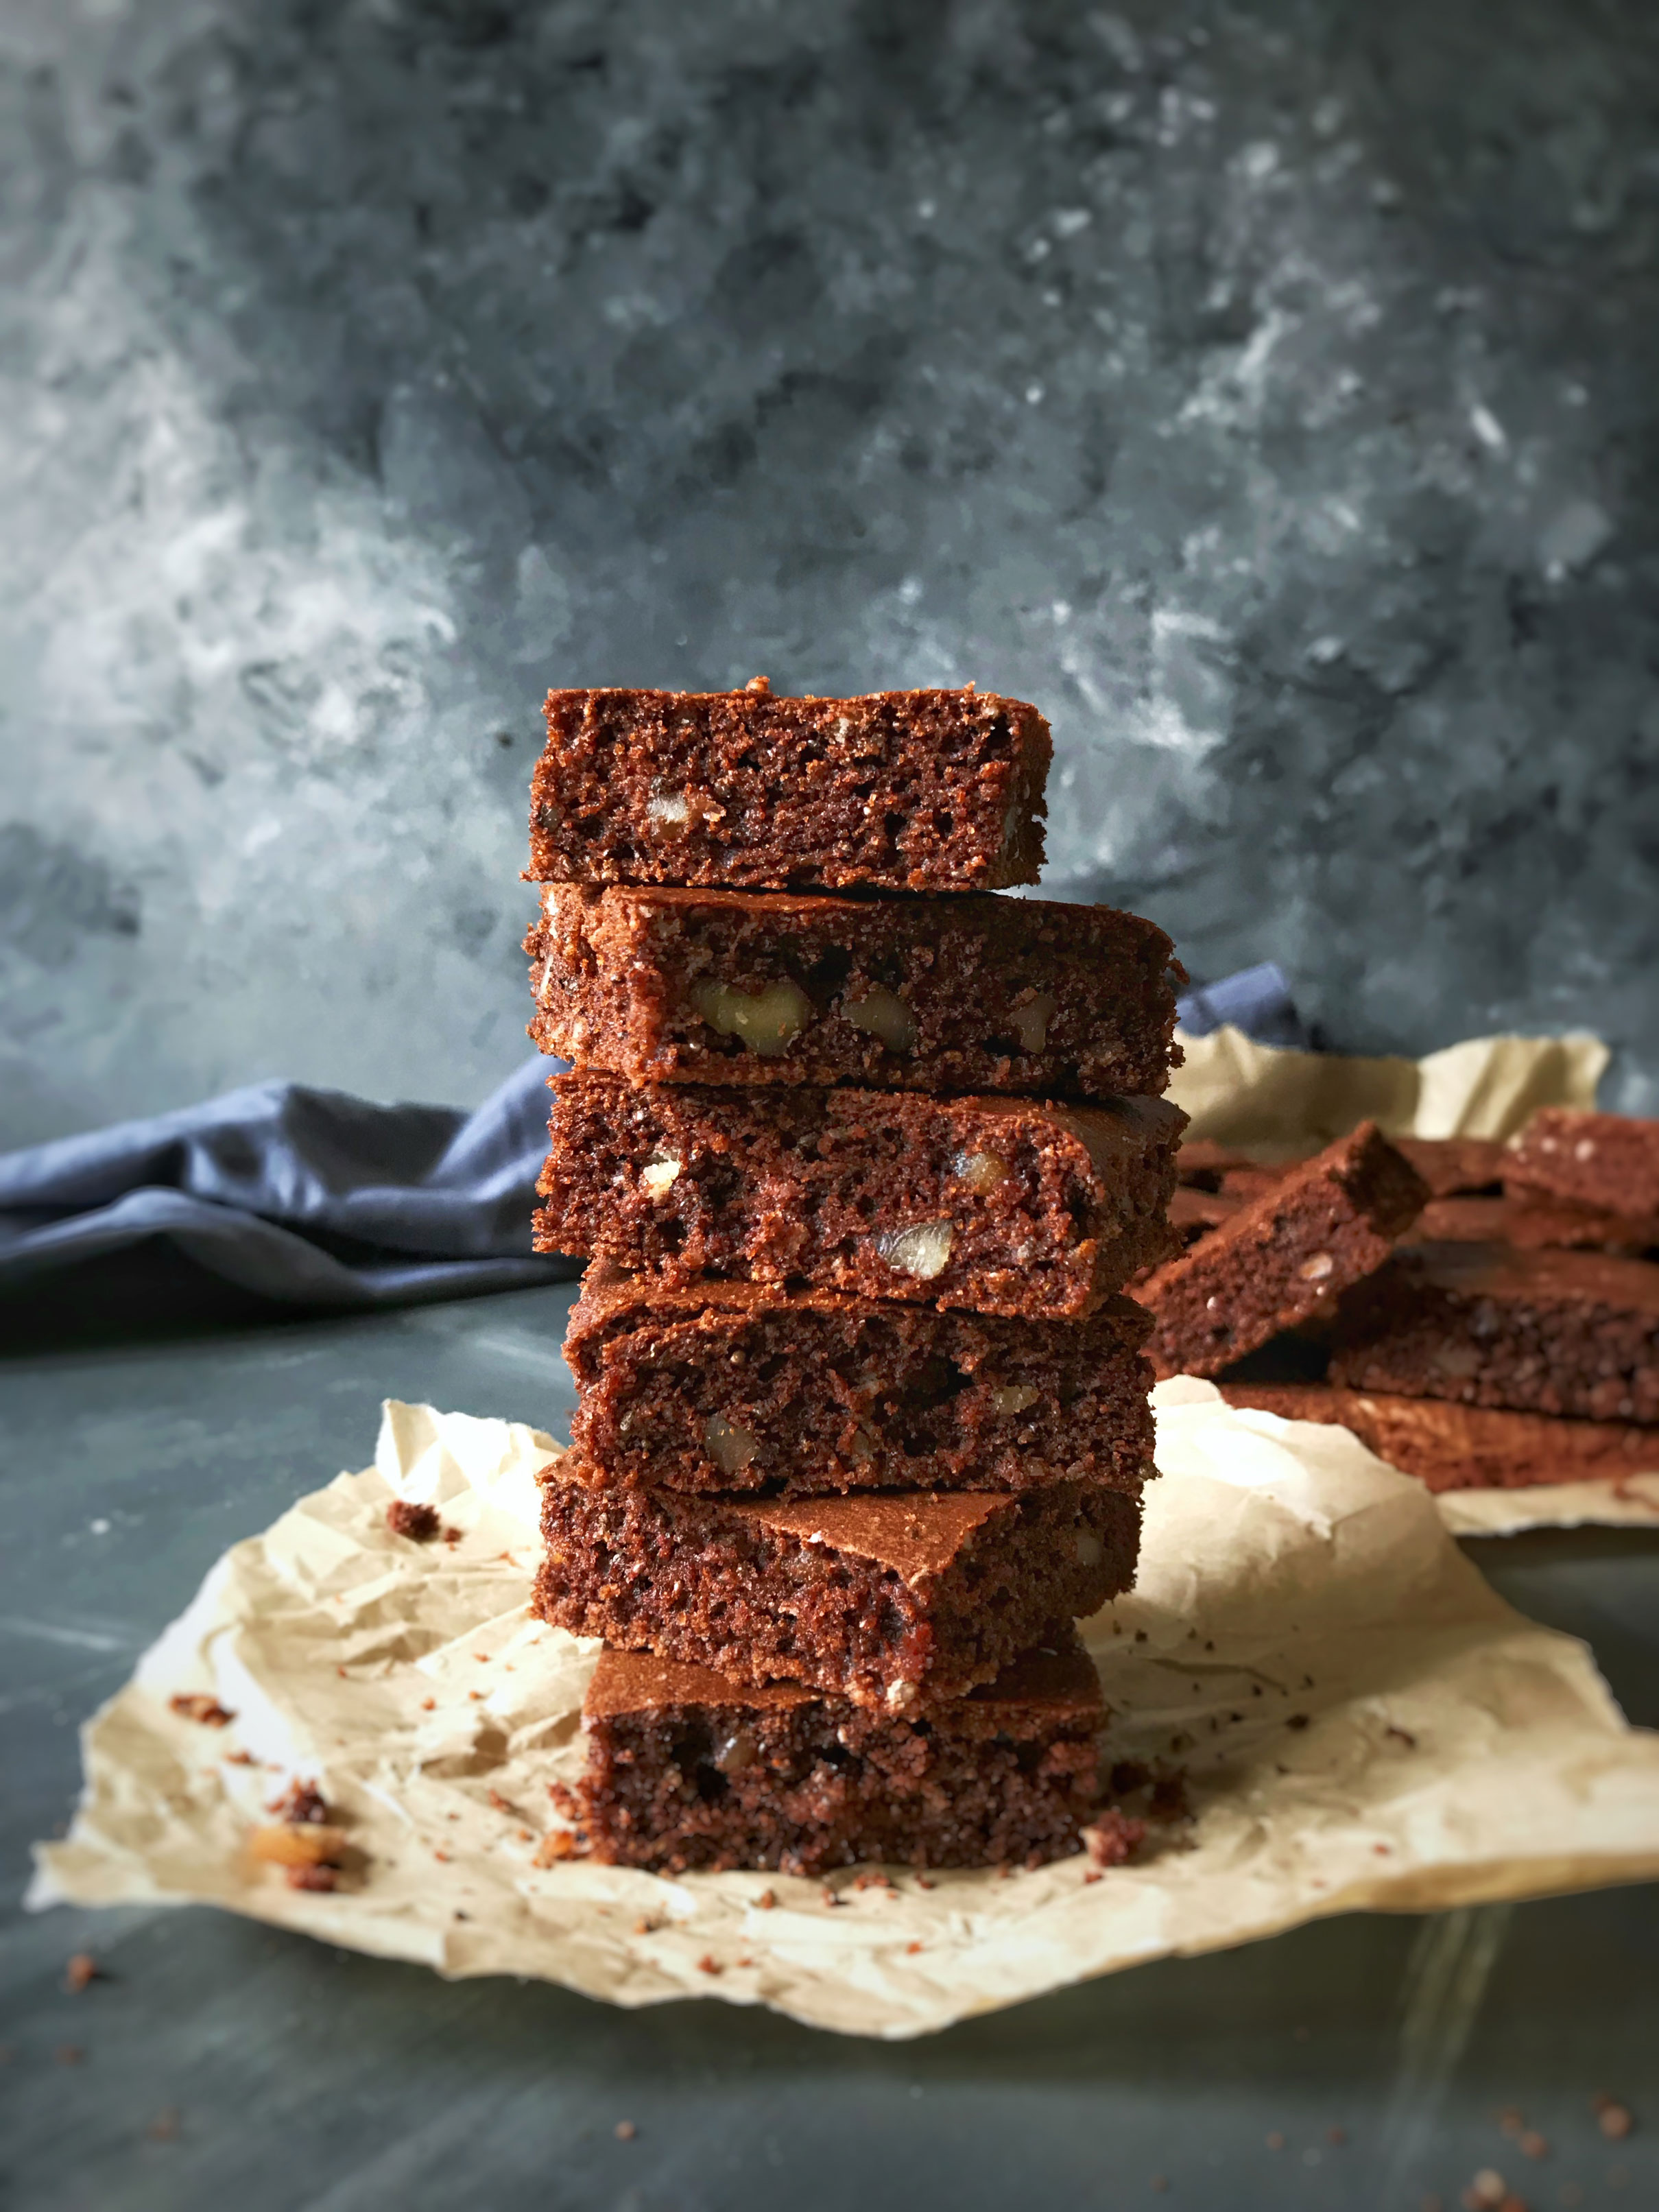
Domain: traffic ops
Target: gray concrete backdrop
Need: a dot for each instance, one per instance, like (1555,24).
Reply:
(1271,391)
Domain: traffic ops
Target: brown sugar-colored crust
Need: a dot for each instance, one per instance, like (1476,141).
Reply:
(1610,1161)
(969,993)
(920,790)
(1532,1223)
(1451,1447)
(1000,1205)
(1283,1258)
(1569,1332)
(1456,1167)
(688,1768)
(881,1597)
(739,1387)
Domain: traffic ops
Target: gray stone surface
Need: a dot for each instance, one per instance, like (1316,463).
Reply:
(1268,390)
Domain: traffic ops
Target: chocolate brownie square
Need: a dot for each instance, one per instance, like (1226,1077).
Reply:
(1456,1167)
(1533,1223)
(1607,1161)
(687,1768)
(1569,1332)
(919,791)
(1450,1447)
(741,1387)
(965,994)
(1001,1205)
(1283,1258)
(886,1598)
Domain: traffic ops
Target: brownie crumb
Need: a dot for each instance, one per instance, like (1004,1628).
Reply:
(1614,2121)
(418,1522)
(311,1877)
(302,1804)
(625,2131)
(197,1705)
(709,1964)
(80,1973)
(766,1900)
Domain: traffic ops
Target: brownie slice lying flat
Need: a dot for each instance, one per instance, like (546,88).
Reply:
(1451,1447)
(922,791)
(882,1598)
(1572,1332)
(1001,1205)
(687,1768)
(969,993)
(1610,1161)
(1456,1167)
(734,1386)
(1532,1222)
(1282,1258)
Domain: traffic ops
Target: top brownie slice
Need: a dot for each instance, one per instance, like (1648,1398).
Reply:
(1283,1257)
(956,993)
(1609,1161)
(922,791)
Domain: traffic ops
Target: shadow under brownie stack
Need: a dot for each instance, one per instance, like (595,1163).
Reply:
(862,1157)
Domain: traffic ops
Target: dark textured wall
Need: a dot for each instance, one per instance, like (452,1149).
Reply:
(1269,390)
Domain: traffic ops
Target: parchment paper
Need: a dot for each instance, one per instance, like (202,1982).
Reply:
(1362,1721)
(1239,1092)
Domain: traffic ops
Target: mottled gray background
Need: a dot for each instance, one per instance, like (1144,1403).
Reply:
(1270,391)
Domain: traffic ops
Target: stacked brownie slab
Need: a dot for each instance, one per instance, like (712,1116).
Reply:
(862,1157)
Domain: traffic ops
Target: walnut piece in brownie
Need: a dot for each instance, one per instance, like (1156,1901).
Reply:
(1450,1447)
(966,993)
(1000,1205)
(1282,1258)
(688,1768)
(882,1598)
(922,791)
(743,1387)
(1569,1332)
(1610,1161)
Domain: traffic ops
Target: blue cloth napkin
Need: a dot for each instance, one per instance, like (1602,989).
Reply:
(310,1197)
(314,1198)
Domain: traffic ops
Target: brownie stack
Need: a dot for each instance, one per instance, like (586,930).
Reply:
(862,1157)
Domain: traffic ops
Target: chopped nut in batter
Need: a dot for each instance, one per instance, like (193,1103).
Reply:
(768,1021)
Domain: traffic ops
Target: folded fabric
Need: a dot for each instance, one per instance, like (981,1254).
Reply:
(309,1197)
(314,1198)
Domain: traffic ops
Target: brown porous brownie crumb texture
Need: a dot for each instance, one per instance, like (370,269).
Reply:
(1575,1334)
(923,791)
(881,1598)
(999,1204)
(1283,1257)
(687,1769)
(943,994)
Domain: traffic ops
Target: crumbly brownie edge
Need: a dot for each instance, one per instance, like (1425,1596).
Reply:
(803,1395)
(1283,1257)
(1000,1206)
(1572,1333)
(967,993)
(927,791)
(1455,1447)
(822,1783)
(720,1584)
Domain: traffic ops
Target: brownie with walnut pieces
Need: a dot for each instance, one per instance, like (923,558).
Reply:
(1449,1447)
(739,1386)
(1000,1205)
(920,790)
(687,1768)
(1569,1332)
(885,1598)
(1282,1259)
(965,994)
(1610,1161)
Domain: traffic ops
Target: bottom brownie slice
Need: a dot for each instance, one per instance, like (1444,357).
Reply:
(687,1768)
(887,1599)
(1451,1447)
